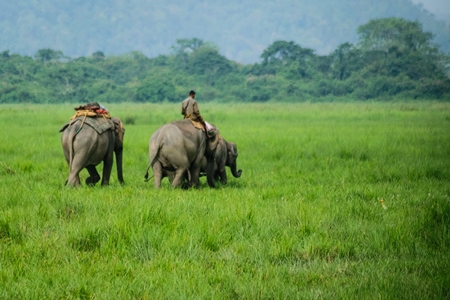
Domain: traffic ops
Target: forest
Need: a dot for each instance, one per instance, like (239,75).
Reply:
(393,58)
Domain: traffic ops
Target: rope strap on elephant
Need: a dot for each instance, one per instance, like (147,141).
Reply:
(88,113)
(91,113)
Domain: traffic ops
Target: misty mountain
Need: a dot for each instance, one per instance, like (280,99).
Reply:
(240,29)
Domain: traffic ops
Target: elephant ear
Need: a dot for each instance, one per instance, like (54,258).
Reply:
(232,149)
(118,125)
(117,122)
(118,128)
(214,138)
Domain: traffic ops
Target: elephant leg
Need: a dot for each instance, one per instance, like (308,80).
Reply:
(74,178)
(75,169)
(179,176)
(157,174)
(195,177)
(223,176)
(94,176)
(210,173)
(107,168)
(217,177)
(186,181)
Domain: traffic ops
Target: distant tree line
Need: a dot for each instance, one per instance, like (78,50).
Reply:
(393,59)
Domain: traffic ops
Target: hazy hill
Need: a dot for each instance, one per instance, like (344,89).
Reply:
(241,29)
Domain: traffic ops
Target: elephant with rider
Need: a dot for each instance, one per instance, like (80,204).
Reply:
(177,150)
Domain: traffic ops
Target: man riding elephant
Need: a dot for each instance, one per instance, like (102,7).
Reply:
(177,149)
(189,109)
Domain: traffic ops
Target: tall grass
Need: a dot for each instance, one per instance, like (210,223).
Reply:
(304,221)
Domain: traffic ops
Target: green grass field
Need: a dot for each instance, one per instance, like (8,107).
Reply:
(305,220)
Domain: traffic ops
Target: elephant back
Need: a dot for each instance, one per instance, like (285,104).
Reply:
(100,125)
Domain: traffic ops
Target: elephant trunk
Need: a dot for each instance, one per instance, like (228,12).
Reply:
(236,173)
(210,173)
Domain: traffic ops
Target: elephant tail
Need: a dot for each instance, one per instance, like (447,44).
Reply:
(146,176)
(72,133)
(146,171)
(154,153)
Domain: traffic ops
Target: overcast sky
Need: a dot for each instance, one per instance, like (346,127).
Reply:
(437,7)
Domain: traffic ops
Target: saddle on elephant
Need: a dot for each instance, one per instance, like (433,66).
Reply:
(212,133)
(92,114)
(92,109)
(205,127)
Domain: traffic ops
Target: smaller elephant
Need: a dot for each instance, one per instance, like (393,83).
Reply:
(225,156)
(89,141)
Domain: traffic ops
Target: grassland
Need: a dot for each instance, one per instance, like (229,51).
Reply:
(305,220)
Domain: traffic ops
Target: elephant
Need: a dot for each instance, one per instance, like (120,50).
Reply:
(177,149)
(87,142)
(225,155)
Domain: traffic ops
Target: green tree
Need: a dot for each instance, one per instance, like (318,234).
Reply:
(394,47)
(386,33)
(345,60)
(155,89)
(98,55)
(206,60)
(183,48)
(186,45)
(289,60)
(282,53)
(48,55)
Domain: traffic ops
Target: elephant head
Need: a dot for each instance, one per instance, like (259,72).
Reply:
(225,155)
(118,146)
(211,146)
(232,154)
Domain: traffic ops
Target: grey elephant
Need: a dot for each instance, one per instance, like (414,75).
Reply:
(176,151)
(88,141)
(225,155)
